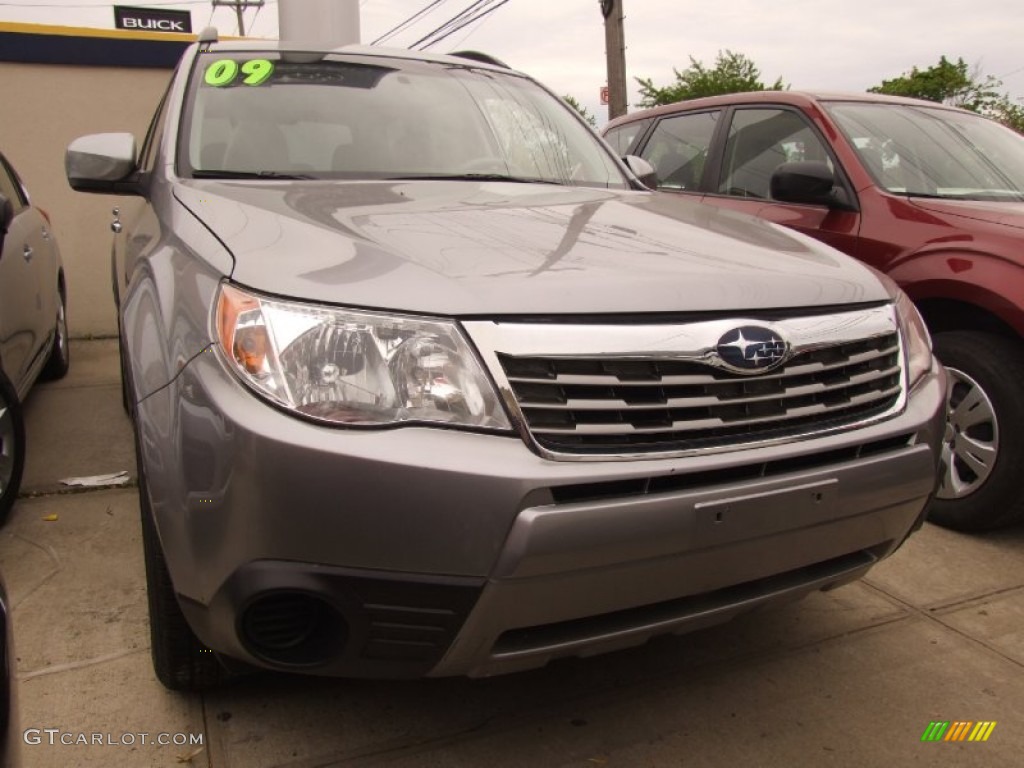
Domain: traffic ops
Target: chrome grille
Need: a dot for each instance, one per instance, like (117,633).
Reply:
(845,369)
(573,403)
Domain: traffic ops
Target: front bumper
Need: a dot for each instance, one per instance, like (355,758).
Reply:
(415,551)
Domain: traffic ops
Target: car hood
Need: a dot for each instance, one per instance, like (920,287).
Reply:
(463,248)
(1010,214)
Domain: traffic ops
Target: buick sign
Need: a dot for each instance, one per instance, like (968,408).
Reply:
(152,19)
(752,349)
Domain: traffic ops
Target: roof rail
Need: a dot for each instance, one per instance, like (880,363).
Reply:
(208,36)
(484,58)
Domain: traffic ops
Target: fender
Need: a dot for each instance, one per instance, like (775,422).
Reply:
(166,315)
(981,279)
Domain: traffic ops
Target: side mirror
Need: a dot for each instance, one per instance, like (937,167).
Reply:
(6,213)
(103,162)
(808,183)
(643,170)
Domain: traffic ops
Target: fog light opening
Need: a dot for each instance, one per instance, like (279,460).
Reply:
(293,629)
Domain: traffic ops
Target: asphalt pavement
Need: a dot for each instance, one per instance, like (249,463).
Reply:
(853,677)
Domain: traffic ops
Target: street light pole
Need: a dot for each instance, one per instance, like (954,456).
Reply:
(615,52)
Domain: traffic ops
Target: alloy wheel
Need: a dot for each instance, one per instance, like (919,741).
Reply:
(62,330)
(971,442)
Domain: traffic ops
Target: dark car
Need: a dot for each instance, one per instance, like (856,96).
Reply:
(931,195)
(33,319)
(425,382)
(9,736)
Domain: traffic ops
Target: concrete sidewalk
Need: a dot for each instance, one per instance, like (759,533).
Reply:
(847,678)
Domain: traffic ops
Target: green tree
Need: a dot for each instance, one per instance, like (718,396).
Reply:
(732,73)
(947,83)
(573,102)
(1010,114)
(953,83)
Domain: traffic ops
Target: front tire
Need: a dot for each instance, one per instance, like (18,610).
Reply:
(127,399)
(60,353)
(180,661)
(12,447)
(983,448)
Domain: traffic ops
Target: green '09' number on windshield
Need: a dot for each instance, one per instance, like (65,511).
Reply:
(225,71)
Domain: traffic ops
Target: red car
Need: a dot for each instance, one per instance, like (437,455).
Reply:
(931,195)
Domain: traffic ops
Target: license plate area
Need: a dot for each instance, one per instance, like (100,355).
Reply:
(765,513)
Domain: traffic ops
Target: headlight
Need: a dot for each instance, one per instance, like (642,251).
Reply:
(917,342)
(916,338)
(354,367)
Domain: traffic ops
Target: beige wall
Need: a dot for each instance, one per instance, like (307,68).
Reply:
(44,107)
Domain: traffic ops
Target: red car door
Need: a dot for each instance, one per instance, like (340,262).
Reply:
(758,140)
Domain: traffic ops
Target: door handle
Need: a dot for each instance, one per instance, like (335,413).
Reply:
(115,225)
(27,253)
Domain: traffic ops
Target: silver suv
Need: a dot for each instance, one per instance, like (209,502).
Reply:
(425,382)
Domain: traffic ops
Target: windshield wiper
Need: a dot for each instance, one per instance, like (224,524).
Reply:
(225,174)
(473,177)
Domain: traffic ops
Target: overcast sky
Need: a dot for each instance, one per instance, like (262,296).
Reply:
(811,44)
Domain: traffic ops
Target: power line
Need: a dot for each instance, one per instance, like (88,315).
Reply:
(481,15)
(255,16)
(461,40)
(240,7)
(471,13)
(454,19)
(398,28)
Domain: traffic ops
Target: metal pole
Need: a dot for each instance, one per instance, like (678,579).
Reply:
(615,52)
(239,6)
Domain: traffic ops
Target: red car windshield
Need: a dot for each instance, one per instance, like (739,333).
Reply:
(934,152)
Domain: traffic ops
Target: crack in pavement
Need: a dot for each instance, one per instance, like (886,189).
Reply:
(56,565)
(933,614)
(82,664)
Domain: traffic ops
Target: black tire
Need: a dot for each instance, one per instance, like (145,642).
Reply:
(180,661)
(127,399)
(984,443)
(60,353)
(12,447)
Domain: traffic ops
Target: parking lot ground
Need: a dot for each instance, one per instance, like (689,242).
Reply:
(852,677)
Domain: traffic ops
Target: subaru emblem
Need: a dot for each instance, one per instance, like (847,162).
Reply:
(752,349)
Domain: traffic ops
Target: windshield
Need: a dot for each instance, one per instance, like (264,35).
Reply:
(303,115)
(923,151)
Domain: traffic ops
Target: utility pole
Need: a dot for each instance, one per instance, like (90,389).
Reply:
(239,6)
(615,51)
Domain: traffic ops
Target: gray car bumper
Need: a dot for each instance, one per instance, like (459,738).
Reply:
(417,551)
